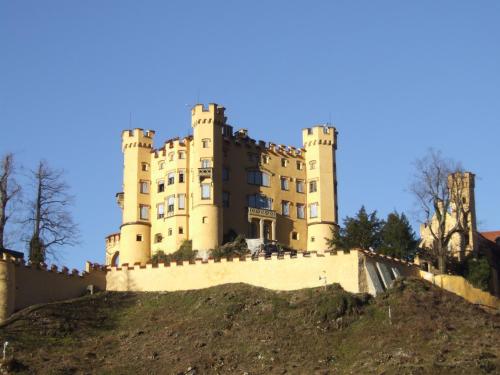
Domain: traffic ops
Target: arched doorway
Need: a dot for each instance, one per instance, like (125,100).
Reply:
(115,259)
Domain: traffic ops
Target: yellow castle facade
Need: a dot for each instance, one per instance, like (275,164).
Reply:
(217,183)
(461,187)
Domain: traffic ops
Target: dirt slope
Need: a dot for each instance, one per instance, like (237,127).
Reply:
(239,329)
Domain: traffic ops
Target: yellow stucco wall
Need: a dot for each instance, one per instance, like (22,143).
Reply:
(461,287)
(277,274)
(22,286)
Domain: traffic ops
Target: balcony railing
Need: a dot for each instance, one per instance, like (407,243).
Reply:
(261,212)
(205,172)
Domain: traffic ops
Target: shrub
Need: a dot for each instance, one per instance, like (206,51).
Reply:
(478,272)
(236,248)
(185,252)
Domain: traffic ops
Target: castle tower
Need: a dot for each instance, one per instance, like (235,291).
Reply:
(320,143)
(205,220)
(463,185)
(135,232)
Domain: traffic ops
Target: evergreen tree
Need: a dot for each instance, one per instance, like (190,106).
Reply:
(398,237)
(361,231)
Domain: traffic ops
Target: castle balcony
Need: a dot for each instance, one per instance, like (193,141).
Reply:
(205,172)
(119,199)
(261,213)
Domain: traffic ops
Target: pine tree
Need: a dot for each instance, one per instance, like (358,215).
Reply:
(398,237)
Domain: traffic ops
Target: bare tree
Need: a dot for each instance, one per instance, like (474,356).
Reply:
(438,187)
(49,216)
(9,189)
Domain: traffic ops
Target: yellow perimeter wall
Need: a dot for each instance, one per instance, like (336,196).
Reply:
(461,287)
(287,273)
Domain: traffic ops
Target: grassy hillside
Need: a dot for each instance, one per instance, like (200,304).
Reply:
(239,329)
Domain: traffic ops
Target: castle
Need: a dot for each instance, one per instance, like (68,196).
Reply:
(218,183)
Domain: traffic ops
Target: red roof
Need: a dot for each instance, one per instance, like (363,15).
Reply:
(492,236)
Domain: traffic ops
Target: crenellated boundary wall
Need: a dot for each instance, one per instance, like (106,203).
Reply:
(23,285)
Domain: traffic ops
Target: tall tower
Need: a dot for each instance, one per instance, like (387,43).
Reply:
(205,220)
(462,197)
(135,231)
(320,143)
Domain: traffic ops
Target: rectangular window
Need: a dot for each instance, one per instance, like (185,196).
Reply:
(169,231)
(182,201)
(225,199)
(265,159)
(205,191)
(225,174)
(284,162)
(205,163)
(170,156)
(299,165)
(205,143)
(145,167)
(181,230)
(300,211)
(160,210)
(161,186)
(170,204)
(260,201)
(313,186)
(284,183)
(143,212)
(144,187)
(138,237)
(313,210)
(181,177)
(299,185)
(266,180)
(171,178)
(182,155)
(295,236)
(285,208)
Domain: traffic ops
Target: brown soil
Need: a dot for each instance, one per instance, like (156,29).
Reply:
(239,329)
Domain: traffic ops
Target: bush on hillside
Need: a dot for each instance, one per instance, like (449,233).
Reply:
(185,252)
(478,272)
(236,248)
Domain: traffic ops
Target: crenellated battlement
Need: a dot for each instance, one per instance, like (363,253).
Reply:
(137,138)
(319,135)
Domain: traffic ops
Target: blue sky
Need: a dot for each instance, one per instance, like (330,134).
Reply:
(395,77)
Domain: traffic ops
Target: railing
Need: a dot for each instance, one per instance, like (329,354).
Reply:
(261,212)
(205,172)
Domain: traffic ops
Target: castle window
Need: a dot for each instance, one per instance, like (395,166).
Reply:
(205,143)
(143,212)
(138,237)
(299,186)
(326,130)
(170,204)
(205,163)
(295,236)
(182,155)
(169,231)
(300,211)
(225,199)
(265,159)
(158,238)
(161,186)
(309,131)
(258,178)
(181,201)
(312,164)
(299,165)
(160,210)
(313,186)
(313,210)
(204,219)
(181,230)
(285,208)
(171,178)
(225,174)
(260,201)
(284,162)
(145,167)
(313,239)
(170,156)
(205,191)
(144,187)
(284,183)
(181,176)
(161,165)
